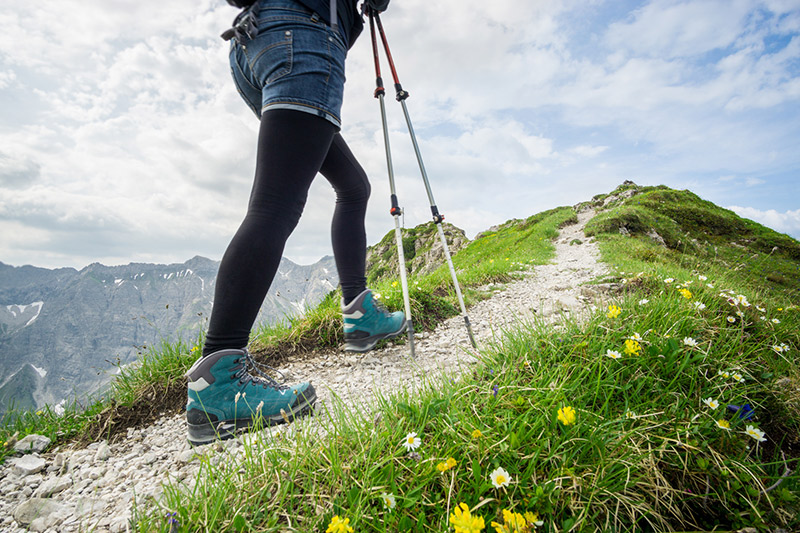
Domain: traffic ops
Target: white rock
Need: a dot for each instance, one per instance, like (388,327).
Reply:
(32,443)
(39,525)
(28,464)
(120,524)
(86,507)
(149,458)
(103,452)
(53,486)
(33,480)
(36,508)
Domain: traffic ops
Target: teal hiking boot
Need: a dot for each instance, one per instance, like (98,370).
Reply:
(224,399)
(366,323)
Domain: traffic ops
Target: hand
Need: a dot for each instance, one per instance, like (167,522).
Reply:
(376,6)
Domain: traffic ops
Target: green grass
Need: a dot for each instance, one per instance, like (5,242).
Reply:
(644,452)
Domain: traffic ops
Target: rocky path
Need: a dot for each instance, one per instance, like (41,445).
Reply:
(95,488)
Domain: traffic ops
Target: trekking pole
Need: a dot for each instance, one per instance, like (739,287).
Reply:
(401,96)
(395,211)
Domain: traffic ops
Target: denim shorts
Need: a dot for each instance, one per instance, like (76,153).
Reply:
(295,61)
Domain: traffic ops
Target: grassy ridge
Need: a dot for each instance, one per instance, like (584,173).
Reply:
(661,226)
(634,420)
(643,452)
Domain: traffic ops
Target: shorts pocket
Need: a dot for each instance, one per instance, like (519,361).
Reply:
(270,55)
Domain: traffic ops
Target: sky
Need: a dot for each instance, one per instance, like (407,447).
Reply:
(123,139)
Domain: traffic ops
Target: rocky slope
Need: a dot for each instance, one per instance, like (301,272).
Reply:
(422,249)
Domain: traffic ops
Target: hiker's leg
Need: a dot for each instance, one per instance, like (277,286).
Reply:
(348,234)
(365,322)
(292,146)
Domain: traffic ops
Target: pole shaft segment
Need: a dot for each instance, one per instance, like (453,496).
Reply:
(395,210)
(419,155)
(438,220)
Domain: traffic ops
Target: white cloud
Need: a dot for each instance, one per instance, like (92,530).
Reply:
(7,77)
(787,222)
(588,150)
(669,28)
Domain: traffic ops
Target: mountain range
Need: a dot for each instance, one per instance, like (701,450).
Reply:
(65,332)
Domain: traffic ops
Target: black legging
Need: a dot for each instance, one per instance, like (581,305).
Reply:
(293,146)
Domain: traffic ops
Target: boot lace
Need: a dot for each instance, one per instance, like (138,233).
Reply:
(380,308)
(248,364)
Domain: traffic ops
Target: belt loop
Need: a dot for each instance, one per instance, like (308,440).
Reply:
(334,16)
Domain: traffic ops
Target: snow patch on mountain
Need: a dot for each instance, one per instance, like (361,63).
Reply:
(23,311)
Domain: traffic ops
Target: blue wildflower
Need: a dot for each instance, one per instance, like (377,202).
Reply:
(745,411)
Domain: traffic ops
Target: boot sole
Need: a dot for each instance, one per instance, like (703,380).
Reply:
(206,433)
(368,343)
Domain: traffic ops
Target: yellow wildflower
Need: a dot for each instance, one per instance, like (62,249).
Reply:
(512,523)
(566,415)
(445,466)
(613,311)
(533,518)
(464,522)
(632,347)
(517,523)
(477,434)
(338,525)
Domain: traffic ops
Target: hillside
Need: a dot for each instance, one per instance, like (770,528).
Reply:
(661,225)
(656,389)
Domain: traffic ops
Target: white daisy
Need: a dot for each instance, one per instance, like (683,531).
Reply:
(500,477)
(389,501)
(756,433)
(412,442)
(711,403)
